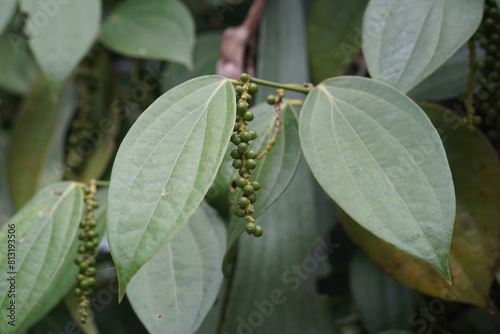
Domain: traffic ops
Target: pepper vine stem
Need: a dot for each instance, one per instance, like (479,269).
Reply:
(292,87)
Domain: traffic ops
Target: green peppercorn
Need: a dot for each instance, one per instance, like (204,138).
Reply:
(251,164)
(251,154)
(258,231)
(244,77)
(235,154)
(248,189)
(237,163)
(255,185)
(253,88)
(248,116)
(250,228)
(89,245)
(239,89)
(236,127)
(243,202)
(241,182)
(91,281)
(252,198)
(242,147)
(246,136)
(83,267)
(240,212)
(81,249)
(84,284)
(91,271)
(78,291)
(270,99)
(253,134)
(250,210)
(242,107)
(235,139)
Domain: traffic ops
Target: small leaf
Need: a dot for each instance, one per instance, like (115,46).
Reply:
(376,154)
(176,289)
(37,142)
(475,246)
(449,80)
(205,55)
(7,11)
(157,29)
(17,65)
(384,303)
(406,41)
(60,34)
(334,36)
(274,171)
(164,167)
(44,232)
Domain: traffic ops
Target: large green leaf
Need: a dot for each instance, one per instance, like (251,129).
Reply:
(449,80)
(384,303)
(174,291)
(274,171)
(42,234)
(60,34)
(7,11)
(475,247)
(164,167)
(269,293)
(406,41)
(205,55)
(36,151)
(376,154)
(334,36)
(19,69)
(158,29)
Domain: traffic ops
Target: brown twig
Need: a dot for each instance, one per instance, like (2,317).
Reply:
(235,42)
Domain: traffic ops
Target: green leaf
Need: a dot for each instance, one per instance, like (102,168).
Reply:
(406,41)
(282,29)
(384,303)
(376,154)
(164,167)
(268,288)
(7,11)
(60,34)
(274,171)
(176,289)
(205,55)
(449,80)
(17,65)
(6,207)
(37,143)
(157,29)
(475,247)
(334,36)
(44,232)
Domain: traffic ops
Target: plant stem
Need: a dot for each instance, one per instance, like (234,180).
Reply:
(292,87)
(102,183)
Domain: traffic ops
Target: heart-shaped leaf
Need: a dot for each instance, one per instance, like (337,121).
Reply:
(61,33)
(39,239)
(406,41)
(174,291)
(376,154)
(157,29)
(164,167)
(475,246)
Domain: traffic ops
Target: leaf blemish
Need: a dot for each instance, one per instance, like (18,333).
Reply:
(159,316)
(56,193)
(165,192)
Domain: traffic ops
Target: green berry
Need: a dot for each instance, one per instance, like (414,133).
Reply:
(242,107)
(239,89)
(235,154)
(92,234)
(253,134)
(243,202)
(270,99)
(251,154)
(250,228)
(79,260)
(78,292)
(83,267)
(237,163)
(258,231)
(244,77)
(253,88)
(81,277)
(91,271)
(241,182)
(246,136)
(250,210)
(477,120)
(242,147)
(252,198)
(84,284)
(235,139)
(255,185)
(236,127)
(91,261)
(89,245)
(91,281)
(248,116)
(81,249)
(248,189)
(251,164)
(240,212)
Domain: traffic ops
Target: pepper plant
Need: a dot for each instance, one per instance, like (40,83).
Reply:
(334,169)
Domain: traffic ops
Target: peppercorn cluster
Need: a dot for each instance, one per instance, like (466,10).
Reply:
(244,157)
(86,260)
(489,93)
